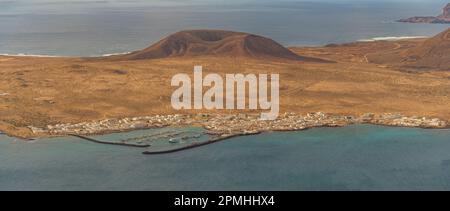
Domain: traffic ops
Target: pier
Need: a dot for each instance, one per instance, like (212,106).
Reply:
(191,146)
(110,143)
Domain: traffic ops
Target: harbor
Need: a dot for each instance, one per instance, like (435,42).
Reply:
(236,124)
(355,157)
(217,127)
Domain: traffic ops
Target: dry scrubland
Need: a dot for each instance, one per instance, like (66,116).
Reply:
(361,79)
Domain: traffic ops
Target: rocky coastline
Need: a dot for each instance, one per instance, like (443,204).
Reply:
(444,18)
(430,19)
(236,124)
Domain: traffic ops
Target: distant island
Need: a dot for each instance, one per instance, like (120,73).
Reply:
(444,18)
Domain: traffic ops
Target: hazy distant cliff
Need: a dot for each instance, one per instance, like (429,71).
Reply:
(443,18)
(446,13)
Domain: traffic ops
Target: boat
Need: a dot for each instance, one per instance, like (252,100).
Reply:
(173,140)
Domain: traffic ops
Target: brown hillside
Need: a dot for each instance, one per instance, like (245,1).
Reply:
(432,53)
(215,43)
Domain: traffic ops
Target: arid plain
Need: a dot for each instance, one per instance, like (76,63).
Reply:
(347,79)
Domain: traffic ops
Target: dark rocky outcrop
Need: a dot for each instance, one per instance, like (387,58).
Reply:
(445,13)
(444,18)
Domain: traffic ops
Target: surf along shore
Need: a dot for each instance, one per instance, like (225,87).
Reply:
(57,96)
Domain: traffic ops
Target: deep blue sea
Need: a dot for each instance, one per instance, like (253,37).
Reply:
(358,157)
(87,28)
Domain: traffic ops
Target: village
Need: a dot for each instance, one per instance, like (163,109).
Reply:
(236,124)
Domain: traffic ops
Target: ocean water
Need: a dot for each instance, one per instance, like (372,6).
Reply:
(357,157)
(88,28)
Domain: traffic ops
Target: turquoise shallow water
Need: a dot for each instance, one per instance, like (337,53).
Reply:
(359,157)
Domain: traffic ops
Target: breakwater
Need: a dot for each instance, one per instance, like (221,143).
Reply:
(110,143)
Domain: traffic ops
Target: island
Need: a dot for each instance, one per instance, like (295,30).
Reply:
(444,18)
(397,83)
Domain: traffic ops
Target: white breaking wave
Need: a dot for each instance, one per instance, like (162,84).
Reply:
(28,55)
(50,56)
(390,38)
(115,54)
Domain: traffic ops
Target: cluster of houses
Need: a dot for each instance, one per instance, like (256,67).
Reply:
(233,124)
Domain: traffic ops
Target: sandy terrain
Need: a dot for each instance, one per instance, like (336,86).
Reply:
(41,91)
